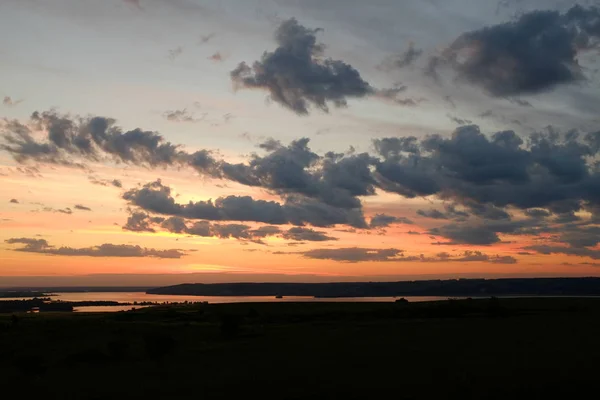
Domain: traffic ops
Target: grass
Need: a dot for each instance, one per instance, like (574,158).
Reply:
(478,349)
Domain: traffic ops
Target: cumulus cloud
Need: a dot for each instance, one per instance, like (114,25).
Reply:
(14,201)
(92,139)
(157,198)
(142,222)
(104,250)
(531,54)
(298,76)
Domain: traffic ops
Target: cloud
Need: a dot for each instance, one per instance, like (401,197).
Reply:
(81,207)
(466,234)
(297,75)
(156,197)
(550,170)
(335,179)
(143,222)
(531,54)
(306,234)
(104,250)
(216,57)
(358,254)
(180,116)
(92,138)
(9,102)
(207,38)
(459,121)
(354,254)
(174,53)
(65,210)
(384,220)
(105,182)
(571,251)
(403,60)
(14,201)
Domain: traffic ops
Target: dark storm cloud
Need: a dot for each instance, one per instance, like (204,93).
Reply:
(531,54)
(384,220)
(82,207)
(104,250)
(298,76)
(157,198)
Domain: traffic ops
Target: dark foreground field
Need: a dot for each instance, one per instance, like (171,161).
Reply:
(471,349)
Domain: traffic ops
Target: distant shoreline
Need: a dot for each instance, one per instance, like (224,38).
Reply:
(442,288)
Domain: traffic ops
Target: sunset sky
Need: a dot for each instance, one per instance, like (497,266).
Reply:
(298,140)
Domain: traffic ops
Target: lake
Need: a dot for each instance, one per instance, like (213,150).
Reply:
(131,297)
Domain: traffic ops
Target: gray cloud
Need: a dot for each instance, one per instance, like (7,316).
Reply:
(14,201)
(176,52)
(358,254)
(354,254)
(216,57)
(142,222)
(306,234)
(157,198)
(104,250)
(297,75)
(9,102)
(531,54)
(93,139)
(182,115)
(82,207)
(105,182)
(402,60)
(384,220)
(571,251)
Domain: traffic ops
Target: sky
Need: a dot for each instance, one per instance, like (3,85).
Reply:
(148,142)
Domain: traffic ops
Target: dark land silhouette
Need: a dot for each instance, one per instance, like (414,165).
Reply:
(456,287)
(517,348)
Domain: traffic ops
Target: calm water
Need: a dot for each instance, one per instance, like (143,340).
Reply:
(130,297)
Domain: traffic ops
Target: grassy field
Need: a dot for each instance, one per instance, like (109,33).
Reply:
(468,349)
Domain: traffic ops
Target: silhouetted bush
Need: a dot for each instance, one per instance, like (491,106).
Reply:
(118,348)
(494,308)
(159,345)
(230,325)
(31,365)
